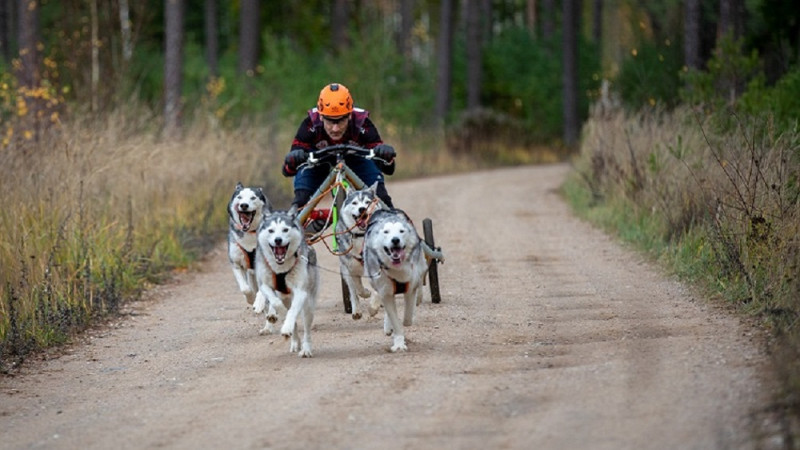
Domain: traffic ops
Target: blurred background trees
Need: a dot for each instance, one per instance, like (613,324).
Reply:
(523,68)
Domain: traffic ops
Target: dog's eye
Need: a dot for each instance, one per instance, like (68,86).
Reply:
(285,230)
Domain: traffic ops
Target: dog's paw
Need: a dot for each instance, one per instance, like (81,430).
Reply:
(373,307)
(364,293)
(294,346)
(272,318)
(259,304)
(305,352)
(399,344)
(250,296)
(357,315)
(268,329)
(287,330)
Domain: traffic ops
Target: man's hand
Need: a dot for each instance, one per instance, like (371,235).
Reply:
(385,158)
(385,152)
(293,160)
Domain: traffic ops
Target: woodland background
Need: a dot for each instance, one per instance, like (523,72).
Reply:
(124,126)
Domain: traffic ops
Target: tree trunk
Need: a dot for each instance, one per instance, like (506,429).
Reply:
(340,16)
(531,17)
(211,37)
(173,66)
(95,46)
(548,18)
(474,55)
(597,20)
(730,18)
(248,37)
(570,72)
(125,31)
(28,74)
(691,34)
(445,60)
(6,13)
(404,36)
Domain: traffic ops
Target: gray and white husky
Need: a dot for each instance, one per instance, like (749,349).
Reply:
(245,211)
(350,230)
(395,263)
(287,276)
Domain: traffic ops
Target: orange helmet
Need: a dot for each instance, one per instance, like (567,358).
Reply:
(335,100)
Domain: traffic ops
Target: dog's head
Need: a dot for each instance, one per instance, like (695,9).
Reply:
(392,235)
(356,207)
(280,235)
(246,207)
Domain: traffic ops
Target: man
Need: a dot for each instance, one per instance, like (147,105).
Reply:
(336,121)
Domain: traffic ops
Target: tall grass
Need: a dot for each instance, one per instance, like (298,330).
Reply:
(715,197)
(100,207)
(95,210)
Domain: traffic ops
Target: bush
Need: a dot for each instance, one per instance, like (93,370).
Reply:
(523,79)
(649,76)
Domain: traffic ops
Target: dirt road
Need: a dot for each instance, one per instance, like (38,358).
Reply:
(549,336)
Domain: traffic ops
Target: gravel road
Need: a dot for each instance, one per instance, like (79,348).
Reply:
(550,335)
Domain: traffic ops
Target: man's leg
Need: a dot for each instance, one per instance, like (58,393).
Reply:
(369,174)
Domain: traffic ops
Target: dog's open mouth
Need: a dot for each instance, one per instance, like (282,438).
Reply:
(279,252)
(361,221)
(246,219)
(396,254)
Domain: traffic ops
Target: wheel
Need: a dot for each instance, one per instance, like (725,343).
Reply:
(337,205)
(433,270)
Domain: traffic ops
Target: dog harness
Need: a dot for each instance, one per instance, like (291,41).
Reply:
(279,279)
(249,256)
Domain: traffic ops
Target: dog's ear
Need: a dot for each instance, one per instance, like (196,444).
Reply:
(261,196)
(292,212)
(373,188)
(238,187)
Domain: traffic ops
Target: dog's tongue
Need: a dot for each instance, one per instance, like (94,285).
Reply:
(280,253)
(245,218)
(397,254)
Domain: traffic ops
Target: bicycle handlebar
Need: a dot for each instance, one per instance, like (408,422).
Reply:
(337,151)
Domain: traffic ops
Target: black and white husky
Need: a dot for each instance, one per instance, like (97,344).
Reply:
(395,264)
(350,230)
(287,276)
(245,211)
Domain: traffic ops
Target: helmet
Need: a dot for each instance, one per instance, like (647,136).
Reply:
(335,100)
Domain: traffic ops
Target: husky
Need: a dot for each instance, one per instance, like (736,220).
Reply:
(395,264)
(350,230)
(287,277)
(245,210)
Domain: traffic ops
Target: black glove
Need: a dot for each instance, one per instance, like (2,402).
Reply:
(293,160)
(385,152)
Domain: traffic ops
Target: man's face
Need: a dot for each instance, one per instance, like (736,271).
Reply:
(336,126)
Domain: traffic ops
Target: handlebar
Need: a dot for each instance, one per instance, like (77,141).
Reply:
(338,151)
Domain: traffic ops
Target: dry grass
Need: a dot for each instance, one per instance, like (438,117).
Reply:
(95,210)
(715,197)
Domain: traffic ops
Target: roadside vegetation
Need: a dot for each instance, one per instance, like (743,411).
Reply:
(710,188)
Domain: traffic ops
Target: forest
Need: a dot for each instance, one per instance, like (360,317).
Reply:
(679,117)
